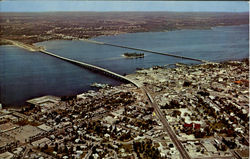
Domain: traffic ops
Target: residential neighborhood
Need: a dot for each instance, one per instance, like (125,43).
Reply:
(206,106)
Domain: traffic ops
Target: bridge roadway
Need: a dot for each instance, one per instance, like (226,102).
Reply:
(144,50)
(28,47)
(94,68)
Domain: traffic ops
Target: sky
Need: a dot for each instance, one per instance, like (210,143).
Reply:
(179,6)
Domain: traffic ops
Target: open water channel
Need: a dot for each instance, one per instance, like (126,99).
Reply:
(25,75)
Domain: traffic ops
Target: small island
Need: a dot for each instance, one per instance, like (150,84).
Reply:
(133,55)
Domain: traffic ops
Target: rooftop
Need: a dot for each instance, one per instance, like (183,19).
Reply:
(44,100)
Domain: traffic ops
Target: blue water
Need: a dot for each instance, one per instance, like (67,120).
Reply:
(220,43)
(25,75)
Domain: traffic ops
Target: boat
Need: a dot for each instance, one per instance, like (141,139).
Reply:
(99,85)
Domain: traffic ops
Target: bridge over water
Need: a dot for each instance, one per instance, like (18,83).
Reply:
(145,92)
(144,50)
(94,68)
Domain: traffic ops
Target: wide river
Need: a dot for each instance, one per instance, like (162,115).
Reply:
(25,75)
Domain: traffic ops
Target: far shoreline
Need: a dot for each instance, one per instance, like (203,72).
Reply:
(117,34)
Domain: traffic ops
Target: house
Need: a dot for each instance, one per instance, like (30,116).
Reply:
(188,125)
(197,126)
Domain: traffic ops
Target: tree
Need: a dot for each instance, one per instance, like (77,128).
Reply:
(56,147)
(45,147)
(223,147)
(78,147)
(207,130)
(66,150)
(176,113)
(199,134)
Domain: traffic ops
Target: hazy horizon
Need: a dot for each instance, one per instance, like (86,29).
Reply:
(123,12)
(123,6)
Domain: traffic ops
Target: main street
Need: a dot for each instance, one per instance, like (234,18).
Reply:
(167,127)
(90,151)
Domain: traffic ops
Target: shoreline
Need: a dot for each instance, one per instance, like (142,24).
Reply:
(117,34)
(204,105)
(133,74)
(223,60)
